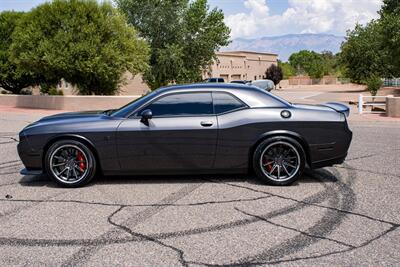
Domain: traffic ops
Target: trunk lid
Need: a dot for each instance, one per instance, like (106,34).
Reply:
(339,107)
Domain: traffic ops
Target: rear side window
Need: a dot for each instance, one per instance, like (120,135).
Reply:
(224,102)
(185,104)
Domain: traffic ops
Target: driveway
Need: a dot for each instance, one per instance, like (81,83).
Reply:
(344,215)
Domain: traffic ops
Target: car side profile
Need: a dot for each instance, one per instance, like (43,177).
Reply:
(263,84)
(199,128)
(215,80)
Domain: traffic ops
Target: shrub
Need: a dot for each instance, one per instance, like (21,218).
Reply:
(374,83)
(54,91)
(274,73)
(25,91)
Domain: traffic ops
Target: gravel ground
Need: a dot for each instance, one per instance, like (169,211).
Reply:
(343,215)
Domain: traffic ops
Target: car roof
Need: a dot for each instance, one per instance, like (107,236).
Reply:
(253,96)
(208,86)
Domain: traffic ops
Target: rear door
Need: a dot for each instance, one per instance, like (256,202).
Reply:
(181,136)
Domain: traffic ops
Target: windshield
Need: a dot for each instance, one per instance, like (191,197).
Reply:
(128,108)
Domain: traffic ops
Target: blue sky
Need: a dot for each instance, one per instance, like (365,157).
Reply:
(231,7)
(257,18)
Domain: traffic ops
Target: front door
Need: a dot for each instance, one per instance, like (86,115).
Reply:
(181,136)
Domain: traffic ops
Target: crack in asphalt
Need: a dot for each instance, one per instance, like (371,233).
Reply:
(238,223)
(136,205)
(294,229)
(311,203)
(343,190)
(325,226)
(144,237)
(391,229)
(17,210)
(8,137)
(85,253)
(329,222)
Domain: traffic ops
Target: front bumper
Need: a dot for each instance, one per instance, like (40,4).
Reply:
(32,159)
(31,172)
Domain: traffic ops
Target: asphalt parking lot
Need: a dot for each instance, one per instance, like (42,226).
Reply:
(344,215)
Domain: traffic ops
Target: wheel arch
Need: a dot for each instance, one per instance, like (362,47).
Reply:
(75,137)
(284,133)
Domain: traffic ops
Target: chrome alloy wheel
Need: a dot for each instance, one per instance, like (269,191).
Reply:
(69,163)
(280,161)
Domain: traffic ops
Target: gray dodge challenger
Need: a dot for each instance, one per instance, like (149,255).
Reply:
(199,128)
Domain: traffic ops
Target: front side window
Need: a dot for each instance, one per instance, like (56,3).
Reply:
(184,104)
(224,102)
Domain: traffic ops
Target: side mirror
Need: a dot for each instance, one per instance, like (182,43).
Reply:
(146,115)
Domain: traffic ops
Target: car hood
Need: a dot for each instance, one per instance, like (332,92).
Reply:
(69,117)
(72,115)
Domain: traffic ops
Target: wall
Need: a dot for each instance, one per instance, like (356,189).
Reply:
(240,65)
(70,103)
(132,85)
(306,80)
(393,106)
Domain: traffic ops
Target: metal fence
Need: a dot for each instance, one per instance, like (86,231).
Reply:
(391,82)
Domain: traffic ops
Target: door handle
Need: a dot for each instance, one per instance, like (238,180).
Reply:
(206,123)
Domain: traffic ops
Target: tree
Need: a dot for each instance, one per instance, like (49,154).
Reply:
(390,35)
(287,69)
(374,49)
(362,53)
(390,7)
(274,73)
(308,62)
(88,44)
(11,78)
(183,36)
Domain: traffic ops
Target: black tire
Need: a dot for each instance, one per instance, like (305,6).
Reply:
(266,163)
(68,149)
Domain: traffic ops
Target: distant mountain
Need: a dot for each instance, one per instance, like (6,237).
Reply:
(285,45)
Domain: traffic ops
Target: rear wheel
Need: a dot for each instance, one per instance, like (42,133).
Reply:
(279,160)
(70,163)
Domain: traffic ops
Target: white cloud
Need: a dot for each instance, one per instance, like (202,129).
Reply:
(302,16)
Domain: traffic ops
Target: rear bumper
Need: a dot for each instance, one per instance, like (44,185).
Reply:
(324,155)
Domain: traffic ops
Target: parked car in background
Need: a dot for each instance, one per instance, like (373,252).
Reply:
(214,80)
(198,128)
(240,81)
(267,85)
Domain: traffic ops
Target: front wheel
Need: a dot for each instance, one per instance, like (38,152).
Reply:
(279,160)
(70,163)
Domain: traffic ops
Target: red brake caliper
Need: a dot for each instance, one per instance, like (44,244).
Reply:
(81,159)
(268,166)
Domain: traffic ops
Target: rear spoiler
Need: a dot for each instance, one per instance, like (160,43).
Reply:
(339,107)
